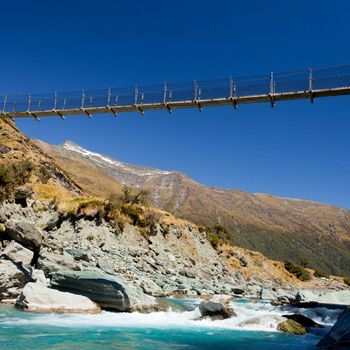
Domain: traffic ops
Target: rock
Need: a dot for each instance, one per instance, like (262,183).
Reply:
(237,290)
(50,263)
(3,217)
(221,298)
(267,294)
(243,261)
(21,196)
(18,253)
(38,276)
(266,321)
(291,327)
(52,222)
(13,277)
(303,320)
(305,295)
(25,233)
(110,292)
(36,297)
(341,297)
(78,253)
(150,287)
(339,335)
(215,311)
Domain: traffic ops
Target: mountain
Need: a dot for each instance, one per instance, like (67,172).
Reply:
(280,228)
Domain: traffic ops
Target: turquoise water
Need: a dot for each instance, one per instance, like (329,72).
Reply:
(161,330)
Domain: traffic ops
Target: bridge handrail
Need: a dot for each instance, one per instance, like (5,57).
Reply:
(168,92)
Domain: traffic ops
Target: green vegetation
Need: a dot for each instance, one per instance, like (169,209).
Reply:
(297,271)
(13,175)
(319,273)
(214,241)
(44,174)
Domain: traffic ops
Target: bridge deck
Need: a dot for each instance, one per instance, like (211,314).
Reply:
(308,84)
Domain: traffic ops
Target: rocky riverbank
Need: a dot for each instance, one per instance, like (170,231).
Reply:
(123,270)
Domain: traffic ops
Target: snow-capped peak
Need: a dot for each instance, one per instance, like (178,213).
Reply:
(103,160)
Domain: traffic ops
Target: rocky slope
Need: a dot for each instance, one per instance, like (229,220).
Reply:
(280,228)
(123,270)
(44,176)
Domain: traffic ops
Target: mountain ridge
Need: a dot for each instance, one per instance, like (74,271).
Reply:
(279,227)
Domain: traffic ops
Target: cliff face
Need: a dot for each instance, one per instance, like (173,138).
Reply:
(280,228)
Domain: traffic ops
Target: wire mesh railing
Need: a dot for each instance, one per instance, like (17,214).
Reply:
(167,93)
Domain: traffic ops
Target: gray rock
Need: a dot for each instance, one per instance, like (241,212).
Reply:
(109,292)
(52,222)
(305,295)
(150,287)
(267,294)
(18,253)
(341,298)
(3,217)
(50,263)
(25,233)
(13,277)
(21,195)
(36,297)
(78,253)
(215,311)
(339,335)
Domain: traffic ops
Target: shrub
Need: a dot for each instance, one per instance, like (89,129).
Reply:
(144,232)
(304,262)
(44,174)
(214,241)
(319,273)
(133,213)
(297,271)
(165,228)
(13,175)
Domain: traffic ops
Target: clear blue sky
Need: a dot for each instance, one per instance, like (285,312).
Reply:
(296,150)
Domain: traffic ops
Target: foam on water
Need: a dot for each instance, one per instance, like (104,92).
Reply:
(257,316)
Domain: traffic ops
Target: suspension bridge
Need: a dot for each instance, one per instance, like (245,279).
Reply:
(271,88)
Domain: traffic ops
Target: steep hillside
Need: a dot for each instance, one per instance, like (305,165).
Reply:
(24,165)
(280,228)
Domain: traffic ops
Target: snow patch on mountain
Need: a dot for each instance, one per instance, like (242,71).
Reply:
(104,161)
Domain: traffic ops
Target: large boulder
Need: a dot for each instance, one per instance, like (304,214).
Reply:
(36,297)
(341,297)
(291,327)
(267,294)
(17,253)
(25,233)
(13,277)
(50,263)
(215,311)
(339,335)
(110,292)
(305,295)
(303,320)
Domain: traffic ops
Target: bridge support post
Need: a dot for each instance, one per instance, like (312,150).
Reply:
(165,104)
(310,86)
(272,91)
(233,93)
(4,105)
